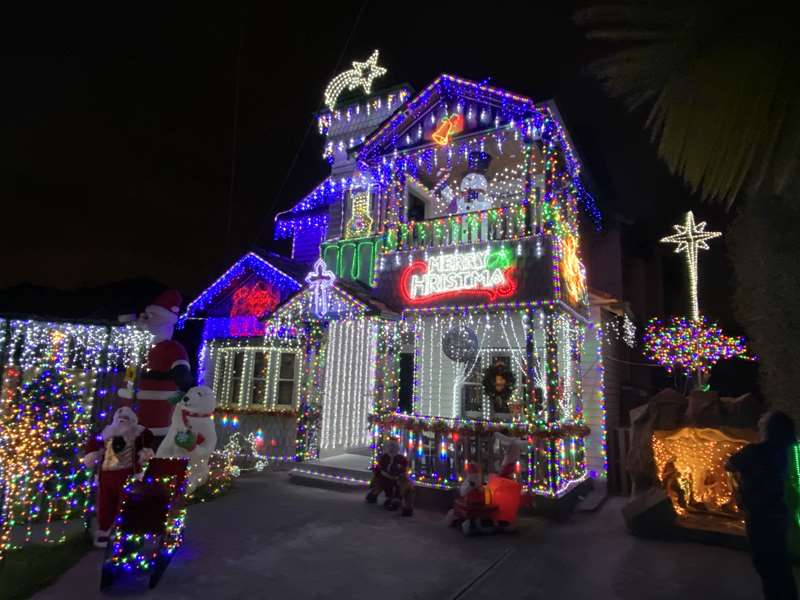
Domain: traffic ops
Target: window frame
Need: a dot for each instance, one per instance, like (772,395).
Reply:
(225,359)
(279,379)
(487,411)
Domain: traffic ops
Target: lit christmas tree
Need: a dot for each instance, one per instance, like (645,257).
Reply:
(42,427)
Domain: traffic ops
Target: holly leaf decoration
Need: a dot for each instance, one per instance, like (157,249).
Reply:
(185,439)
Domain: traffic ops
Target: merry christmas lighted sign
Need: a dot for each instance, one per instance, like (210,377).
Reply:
(489,273)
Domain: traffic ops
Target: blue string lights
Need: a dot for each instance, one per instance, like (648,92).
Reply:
(250,263)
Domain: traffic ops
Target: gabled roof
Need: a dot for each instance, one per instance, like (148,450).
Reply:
(311,209)
(363,294)
(444,88)
(280,271)
(544,118)
(349,300)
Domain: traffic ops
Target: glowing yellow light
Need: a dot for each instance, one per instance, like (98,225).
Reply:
(572,271)
(690,463)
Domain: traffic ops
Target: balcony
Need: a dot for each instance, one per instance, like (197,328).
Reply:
(439,449)
(508,223)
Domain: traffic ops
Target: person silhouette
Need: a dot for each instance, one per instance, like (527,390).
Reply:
(760,470)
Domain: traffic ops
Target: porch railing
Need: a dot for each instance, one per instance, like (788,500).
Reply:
(440,449)
(497,224)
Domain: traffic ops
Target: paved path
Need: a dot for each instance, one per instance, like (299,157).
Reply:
(271,539)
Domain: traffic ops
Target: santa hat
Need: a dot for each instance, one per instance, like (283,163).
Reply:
(113,428)
(167,304)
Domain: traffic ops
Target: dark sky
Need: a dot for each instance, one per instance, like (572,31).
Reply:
(117,125)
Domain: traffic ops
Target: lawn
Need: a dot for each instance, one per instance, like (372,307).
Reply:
(35,566)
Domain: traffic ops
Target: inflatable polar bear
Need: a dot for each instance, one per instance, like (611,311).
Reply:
(192,433)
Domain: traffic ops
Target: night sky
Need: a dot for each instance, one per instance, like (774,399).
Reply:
(118,127)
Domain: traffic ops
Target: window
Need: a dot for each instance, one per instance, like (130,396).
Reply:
(254,376)
(285,394)
(471,392)
(475,402)
(406,392)
(236,376)
(416,207)
(258,387)
(500,405)
(218,383)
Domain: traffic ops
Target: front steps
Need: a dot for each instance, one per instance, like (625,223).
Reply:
(344,472)
(350,472)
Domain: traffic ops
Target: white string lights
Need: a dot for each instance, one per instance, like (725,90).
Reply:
(690,238)
(361,75)
(439,385)
(349,384)
(222,365)
(620,328)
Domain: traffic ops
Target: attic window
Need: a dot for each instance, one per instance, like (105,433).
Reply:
(416,207)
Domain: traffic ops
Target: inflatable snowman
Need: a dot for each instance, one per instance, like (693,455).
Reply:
(192,433)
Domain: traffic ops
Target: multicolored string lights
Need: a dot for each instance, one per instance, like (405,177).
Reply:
(688,346)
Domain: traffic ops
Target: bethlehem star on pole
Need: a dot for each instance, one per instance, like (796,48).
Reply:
(690,238)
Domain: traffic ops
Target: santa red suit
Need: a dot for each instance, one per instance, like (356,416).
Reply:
(120,450)
(513,448)
(165,374)
(390,476)
(473,493)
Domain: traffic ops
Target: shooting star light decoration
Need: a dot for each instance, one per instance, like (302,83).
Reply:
(362,74)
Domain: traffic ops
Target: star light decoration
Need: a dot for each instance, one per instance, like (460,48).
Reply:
(690,238)
(320,280)
(362,74)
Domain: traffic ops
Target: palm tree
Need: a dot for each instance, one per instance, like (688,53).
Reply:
(722,85)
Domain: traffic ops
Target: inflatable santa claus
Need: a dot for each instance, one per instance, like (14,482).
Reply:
(120,450)
(165,375)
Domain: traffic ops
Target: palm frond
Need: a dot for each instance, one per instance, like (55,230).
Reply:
(724,94)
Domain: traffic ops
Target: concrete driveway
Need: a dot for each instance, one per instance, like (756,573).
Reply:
(271,539)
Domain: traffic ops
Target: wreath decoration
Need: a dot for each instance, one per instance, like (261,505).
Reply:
(490,381)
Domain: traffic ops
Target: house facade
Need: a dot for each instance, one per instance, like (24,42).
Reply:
(436,293)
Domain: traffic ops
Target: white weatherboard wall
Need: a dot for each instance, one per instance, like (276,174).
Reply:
(593,399)
(500,333)
(349,385)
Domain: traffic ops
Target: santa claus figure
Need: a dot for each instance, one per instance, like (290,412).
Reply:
(472,490)
(472,511)
(165,375)
(120,450)
(512,448)
(390,476)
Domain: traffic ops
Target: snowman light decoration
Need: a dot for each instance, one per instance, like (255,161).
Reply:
(472,193)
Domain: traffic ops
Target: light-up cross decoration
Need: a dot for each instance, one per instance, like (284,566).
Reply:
(361,74)
(690,238)
(320,280)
